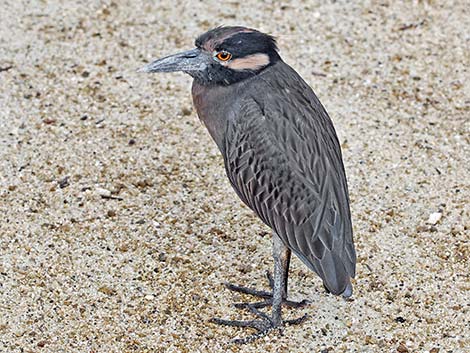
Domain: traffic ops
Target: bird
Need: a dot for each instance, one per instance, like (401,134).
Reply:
(282,157)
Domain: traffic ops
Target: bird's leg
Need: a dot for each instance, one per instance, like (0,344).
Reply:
(266,323)
(281,254)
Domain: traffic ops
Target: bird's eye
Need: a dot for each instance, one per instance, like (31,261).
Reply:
(223,55)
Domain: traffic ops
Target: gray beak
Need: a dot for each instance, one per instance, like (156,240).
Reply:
(187,61)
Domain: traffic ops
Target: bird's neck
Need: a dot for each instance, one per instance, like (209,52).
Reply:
(214,106)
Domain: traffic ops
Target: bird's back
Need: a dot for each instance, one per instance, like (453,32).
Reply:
(283,159)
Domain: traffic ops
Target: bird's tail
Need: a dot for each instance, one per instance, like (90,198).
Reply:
(333,272)
(348,291)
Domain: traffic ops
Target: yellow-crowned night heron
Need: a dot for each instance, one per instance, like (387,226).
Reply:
(281,155)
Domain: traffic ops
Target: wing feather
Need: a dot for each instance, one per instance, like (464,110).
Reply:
(283,158)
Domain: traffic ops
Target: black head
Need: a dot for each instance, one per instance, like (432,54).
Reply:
(223,56)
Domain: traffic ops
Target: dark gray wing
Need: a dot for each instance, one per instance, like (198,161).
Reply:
(283,158)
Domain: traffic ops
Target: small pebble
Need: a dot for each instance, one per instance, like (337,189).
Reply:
(186,111)
(64,182)
(434,218)
(106,290)
(402,348)
(41,344)
(103,192)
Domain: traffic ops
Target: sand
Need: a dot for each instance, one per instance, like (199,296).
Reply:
(118,226)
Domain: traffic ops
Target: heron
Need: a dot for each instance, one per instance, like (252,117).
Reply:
(281,155)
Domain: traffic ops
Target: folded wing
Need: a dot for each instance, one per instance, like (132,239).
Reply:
(283,158)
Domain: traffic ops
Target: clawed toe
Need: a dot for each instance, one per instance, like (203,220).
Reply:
(257,305)
(263,326)
(256,324)
(263,294)
(246,290)
(269,302)
(297,321)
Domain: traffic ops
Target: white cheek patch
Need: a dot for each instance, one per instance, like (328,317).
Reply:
(250,62)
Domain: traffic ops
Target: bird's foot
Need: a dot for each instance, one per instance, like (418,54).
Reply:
(267,296)
(265,323)
(263,326)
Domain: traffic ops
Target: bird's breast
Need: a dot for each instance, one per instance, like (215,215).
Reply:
(214,106)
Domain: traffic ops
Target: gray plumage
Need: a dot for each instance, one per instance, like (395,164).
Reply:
(281,155)
(284,161)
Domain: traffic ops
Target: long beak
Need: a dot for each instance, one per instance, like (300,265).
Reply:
(187,61)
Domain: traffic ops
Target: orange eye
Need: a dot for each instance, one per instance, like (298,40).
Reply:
(223,55)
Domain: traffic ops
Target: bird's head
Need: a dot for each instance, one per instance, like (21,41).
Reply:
(222,56)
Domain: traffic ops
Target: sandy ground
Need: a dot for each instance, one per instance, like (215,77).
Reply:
(118,225)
